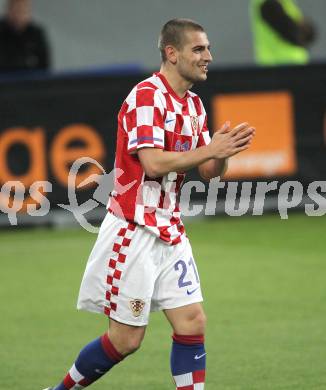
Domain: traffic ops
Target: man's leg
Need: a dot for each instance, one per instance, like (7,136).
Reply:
(99,356)
(188,356)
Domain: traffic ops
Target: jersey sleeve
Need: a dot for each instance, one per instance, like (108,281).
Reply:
(144,119)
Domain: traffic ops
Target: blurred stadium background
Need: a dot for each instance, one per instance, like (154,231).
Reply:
(263,277)
(102,32)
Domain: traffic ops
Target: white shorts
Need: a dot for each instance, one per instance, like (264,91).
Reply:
(131,272)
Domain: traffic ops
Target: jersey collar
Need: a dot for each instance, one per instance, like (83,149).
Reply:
(170,89)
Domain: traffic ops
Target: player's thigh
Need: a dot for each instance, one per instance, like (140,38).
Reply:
(120,275)
(187,320)
(178,282)
(126,338)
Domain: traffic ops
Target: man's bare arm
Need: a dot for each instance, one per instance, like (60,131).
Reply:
(213,168)
(157,163)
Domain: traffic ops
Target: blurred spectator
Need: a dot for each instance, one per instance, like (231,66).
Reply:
(23,44)
(281,33)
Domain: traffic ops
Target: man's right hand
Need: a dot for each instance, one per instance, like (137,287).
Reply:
(227,142)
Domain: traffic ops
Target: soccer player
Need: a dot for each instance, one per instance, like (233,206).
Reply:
(142,260)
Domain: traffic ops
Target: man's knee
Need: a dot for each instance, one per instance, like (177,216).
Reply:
(126,339)
(132,343)
(187,320)
(197,322)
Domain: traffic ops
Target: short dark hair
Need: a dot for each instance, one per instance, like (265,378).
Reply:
(172,33)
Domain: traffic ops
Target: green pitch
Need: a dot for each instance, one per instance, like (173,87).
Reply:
(264,282)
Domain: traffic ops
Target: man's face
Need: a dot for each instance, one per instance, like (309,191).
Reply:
(19,13)
(194,56)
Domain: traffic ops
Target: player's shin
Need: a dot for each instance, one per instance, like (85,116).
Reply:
(188,362)
(94,360)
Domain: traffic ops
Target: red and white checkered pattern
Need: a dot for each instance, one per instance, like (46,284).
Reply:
(154,116)
(74,380)
(190,381)
(116,266)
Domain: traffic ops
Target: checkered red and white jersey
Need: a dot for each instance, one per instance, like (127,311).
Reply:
(153,116)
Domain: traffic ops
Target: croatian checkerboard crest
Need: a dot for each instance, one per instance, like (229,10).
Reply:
(137,306)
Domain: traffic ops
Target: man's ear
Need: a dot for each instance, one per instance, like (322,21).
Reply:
(171,54)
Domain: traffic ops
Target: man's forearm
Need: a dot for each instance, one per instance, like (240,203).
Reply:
(224,143)
(274,14)
(158,163)
(213,168)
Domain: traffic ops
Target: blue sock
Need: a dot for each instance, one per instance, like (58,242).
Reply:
(94,360)
(188,361)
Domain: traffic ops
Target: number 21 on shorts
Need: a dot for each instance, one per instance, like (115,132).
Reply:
(184,268)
